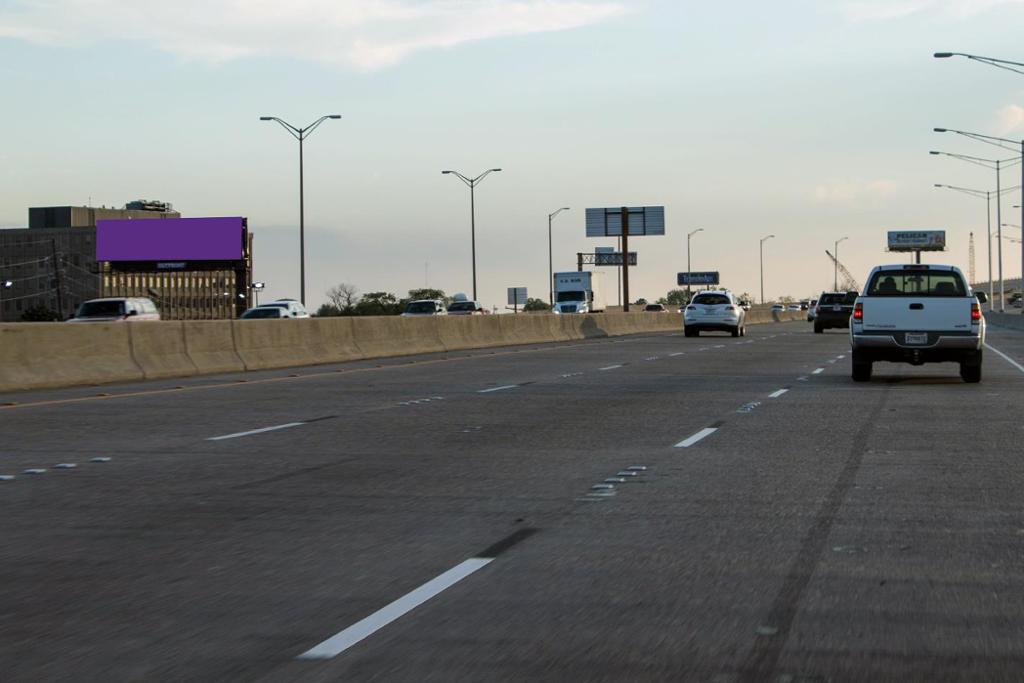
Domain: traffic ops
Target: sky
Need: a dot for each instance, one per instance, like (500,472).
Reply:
(809,120)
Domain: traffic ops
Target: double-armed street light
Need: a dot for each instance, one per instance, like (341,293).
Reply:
(472,183)
(551,264)
(992,164)
(301,134)
(763,240)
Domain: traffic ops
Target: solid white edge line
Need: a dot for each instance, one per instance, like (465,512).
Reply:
(505,386)
(366,627)
(255,431)
(706,432)
(776,394)
(1006,358)
(818,371)
(610,367)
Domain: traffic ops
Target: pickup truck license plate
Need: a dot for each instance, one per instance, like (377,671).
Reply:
(837,308)
(917,337)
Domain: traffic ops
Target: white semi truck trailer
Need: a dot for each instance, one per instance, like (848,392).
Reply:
(579,292)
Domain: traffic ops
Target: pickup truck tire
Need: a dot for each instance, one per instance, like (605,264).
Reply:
(818,329)
(970,368)
(861,368)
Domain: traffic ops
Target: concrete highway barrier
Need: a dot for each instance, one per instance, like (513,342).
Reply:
(43,355)
(1012,320)
(159,349)
(210,344)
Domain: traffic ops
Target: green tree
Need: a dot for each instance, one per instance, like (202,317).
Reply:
(40,314)
(428,293)
(342,298)
(641,302)
(533,304)
(378,303)
(675,297)
(328,311)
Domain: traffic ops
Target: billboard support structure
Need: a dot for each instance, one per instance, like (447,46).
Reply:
(602,223)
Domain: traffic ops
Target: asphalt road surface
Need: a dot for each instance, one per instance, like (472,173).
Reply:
(435,519)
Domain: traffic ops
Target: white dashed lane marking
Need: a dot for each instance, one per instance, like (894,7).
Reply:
(776,394)
(501,388)
(818,371)
(691,440)
(256,431)
(610,367)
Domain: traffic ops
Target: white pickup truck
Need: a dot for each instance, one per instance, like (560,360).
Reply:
(917,313)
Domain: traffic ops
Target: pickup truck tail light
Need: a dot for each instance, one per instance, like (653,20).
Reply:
(975,313)
(858,312)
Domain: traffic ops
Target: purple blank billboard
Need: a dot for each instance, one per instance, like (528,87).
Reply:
(170,239)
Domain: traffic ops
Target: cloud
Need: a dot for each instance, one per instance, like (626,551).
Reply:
(880,10)
(366,34)
(1009,119)
(851,191)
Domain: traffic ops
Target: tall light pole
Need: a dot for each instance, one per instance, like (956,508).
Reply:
(688,236)
(835,280)
(301,134)
(4,285)
(763,240)
(472,183)
(1001,143)
(987,194)
(551,263)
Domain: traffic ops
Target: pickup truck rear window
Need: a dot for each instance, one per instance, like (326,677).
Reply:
(916,283)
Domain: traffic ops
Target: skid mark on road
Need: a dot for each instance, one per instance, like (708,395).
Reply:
(763,658)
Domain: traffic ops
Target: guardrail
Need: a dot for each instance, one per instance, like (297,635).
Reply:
(50,355)
(1012,320)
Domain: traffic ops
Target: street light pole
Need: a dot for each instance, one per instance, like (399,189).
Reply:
(301,134)
(688,278)
(997,165)
(835,281)
(763,239)
(987,195)
(551,263)
(472,183)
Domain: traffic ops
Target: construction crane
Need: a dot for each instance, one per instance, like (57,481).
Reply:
(846,282)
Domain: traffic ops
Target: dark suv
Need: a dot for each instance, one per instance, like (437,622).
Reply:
(834,310)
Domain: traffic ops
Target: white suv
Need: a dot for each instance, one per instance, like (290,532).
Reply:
(291,307)
(714,310)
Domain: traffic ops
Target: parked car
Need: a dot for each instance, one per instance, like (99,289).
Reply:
(264,312)
(714,311)
(115,309)
(655,308)
(466,307)
(424,307)
(834,310)
(811,310)
(917,313)
(291,308)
